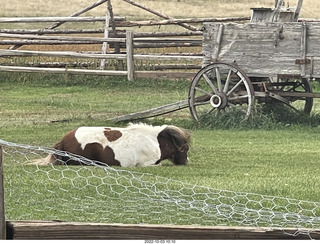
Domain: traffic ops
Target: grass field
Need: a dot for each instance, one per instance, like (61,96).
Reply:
(177,8)
(38,110)
(275,155)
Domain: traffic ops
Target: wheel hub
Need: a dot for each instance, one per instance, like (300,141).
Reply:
(219,100)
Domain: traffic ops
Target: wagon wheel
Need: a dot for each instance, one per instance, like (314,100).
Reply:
(220,88)
(298,103)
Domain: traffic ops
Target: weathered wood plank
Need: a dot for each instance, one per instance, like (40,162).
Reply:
(40,230)
(120,34)
(49,42)
(138,74)
(63,38)
(157,13)
(62,71)
(297,10)
(161,74)
(54,19)
(25,53)
(106,35)
(165,45)
(75,14)
(2,212)
(129,50)
(167,57)
(6,52)
(104,39)
(177,21)
(152,112)
(265,48)
(45,31)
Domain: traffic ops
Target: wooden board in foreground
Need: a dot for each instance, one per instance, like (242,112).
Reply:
(31,230)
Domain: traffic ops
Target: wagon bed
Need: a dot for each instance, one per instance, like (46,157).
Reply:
(269,49)
(251,63)
(246,64)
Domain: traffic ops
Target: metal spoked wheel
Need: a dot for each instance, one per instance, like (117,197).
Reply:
(220,88)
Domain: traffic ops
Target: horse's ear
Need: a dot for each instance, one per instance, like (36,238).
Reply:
(179,137)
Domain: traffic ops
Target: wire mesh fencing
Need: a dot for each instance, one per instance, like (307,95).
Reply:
(93,192)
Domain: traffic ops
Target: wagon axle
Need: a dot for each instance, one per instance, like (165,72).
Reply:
(219,100)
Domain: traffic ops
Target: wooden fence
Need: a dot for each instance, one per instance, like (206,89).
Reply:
(179,65)
(113,36)
(2,212)
(53,230)
(44,40)
(126,40)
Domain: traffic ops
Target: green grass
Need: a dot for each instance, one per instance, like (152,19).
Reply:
(40,101)
(273,155)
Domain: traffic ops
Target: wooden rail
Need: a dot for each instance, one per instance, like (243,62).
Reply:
(18,38)
(2,213)
(54,19)
(129,56)
(153,112)
(49,230)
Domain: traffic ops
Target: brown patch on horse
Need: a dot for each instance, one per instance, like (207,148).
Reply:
(112,135)
(95,151)
(70,144)
(92,151)
(174,144)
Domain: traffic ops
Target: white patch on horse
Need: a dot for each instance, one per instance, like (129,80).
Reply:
(138,145)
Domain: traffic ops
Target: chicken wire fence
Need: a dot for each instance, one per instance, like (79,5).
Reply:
(97,193)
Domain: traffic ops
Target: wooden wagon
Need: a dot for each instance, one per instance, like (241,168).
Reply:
(257,62)
(273,58)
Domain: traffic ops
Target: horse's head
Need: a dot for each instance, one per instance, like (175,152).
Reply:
(174,144)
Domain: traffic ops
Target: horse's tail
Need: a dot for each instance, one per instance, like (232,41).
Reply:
(43,161)
(50,159)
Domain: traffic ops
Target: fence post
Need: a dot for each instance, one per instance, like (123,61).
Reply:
(129,50)
(106,35)
(2,214)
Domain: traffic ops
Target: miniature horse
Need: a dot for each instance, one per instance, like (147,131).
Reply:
(135,145)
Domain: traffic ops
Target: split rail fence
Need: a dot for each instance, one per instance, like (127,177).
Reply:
(29,39)
(128,40)
(124,43)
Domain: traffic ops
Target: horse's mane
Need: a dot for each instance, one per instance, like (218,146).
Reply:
(181,137)
(145,127)
(138,125)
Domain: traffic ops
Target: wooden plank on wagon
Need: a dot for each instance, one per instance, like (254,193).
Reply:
(161,74)
(265,48)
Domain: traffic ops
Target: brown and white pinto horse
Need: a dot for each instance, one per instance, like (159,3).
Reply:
(135,145)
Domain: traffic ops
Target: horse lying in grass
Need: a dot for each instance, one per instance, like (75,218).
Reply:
(135,145)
